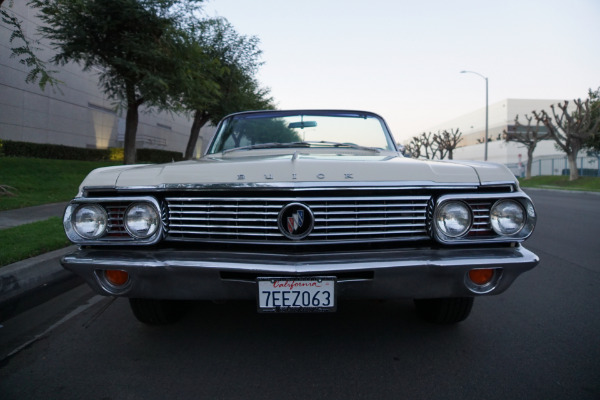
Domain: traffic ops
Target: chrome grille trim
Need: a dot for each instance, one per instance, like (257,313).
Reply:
(336,219)
(116,213)
(481,217)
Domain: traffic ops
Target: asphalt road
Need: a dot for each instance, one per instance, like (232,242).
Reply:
(538,340)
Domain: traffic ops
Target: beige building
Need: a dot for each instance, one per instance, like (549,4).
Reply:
(501,116)
(76,113)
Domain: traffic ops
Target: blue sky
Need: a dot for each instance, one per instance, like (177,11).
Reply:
(402,59)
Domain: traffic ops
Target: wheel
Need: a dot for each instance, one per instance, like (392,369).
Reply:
(444,311)
(157,312)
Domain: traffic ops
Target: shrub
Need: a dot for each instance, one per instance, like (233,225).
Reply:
(117,154)
(157,156)
(10,148)
(53,151)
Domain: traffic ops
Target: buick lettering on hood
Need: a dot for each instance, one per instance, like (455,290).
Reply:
(297,210)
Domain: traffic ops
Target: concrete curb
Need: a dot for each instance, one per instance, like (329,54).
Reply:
(19,282)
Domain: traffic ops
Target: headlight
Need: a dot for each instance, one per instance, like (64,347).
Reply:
(507,217)
(453,218)
(141,220)
(90,221)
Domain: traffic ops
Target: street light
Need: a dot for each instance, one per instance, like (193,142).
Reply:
(485,154)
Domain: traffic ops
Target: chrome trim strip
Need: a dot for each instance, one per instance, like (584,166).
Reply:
(423,198)
(500,183)
(293,186)
(484,196)
(282,242)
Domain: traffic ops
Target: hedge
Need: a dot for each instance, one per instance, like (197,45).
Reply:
(157,156)
(10,148)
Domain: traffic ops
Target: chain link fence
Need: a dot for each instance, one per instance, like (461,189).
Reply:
(588,166)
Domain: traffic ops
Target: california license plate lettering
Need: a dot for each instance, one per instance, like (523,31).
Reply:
(296,295)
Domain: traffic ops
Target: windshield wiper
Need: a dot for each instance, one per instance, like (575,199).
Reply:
(273,145)
(347,145)
(315,143)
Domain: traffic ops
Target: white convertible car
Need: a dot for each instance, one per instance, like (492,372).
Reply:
(297,210)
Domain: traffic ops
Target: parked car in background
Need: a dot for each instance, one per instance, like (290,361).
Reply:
(297,210)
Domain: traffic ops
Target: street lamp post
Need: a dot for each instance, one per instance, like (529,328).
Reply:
(485,154)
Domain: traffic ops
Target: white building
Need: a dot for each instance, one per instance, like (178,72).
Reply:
(547,159)
(501,116)
(77,113)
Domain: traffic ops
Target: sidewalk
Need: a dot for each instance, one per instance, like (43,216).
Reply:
(27,283)
(21,216)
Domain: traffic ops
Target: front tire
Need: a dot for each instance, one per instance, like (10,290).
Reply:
(157,312)
(444,311)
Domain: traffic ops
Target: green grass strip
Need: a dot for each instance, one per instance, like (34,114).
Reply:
(30,240)
(41,181)
(589,184)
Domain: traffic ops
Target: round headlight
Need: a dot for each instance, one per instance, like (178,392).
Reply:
(90,221)
(141,220)
(507,217)
(453,218)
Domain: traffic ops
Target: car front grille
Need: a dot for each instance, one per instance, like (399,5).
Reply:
(338,219)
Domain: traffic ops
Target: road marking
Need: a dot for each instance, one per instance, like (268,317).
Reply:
(90,303)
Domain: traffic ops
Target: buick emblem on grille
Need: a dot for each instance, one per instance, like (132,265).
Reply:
(296,221)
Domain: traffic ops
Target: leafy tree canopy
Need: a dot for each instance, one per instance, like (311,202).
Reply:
(133,44)
(593,143)
(127,41)
(227,82)
(26,50)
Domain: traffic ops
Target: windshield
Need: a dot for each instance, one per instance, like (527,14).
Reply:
(317,129)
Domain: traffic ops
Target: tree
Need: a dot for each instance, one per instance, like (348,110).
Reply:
(432,146)
(132,43)
(26,52)
(570,129)
(423,145)
(593,142)
(446,142)
(527,135)
(234,61)
(413,148)
(250,132)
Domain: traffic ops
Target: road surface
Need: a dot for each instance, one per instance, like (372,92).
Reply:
(538,340)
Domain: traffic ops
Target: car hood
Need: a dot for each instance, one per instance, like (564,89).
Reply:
(297,167)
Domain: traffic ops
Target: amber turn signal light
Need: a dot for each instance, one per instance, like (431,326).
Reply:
(116,277)
(481,276)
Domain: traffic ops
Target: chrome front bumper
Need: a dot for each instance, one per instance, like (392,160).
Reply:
(215,275)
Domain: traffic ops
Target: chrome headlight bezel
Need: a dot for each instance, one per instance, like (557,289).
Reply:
(89,214)
(474,235)
(116,232)
(500,212)
(454,212)
(152,219)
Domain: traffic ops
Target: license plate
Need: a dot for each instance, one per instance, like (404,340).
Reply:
(296,295)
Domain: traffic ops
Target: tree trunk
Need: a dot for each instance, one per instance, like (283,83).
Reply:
(200,119)
(131,124)
(529,162)
(574,172)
